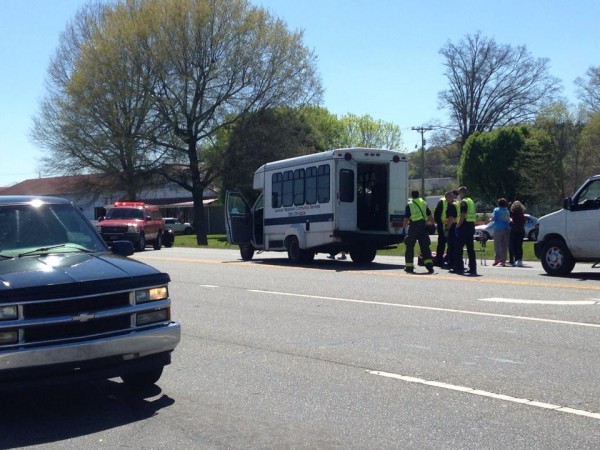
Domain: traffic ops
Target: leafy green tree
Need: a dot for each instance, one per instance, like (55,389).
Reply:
(258,138)
(98,114)
(493,85)
(586,155)
(364,131)
(507,162)
(564,128)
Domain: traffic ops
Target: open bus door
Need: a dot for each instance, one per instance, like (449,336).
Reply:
(238,219)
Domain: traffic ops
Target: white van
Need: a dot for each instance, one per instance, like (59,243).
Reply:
(349,200)
(572,234)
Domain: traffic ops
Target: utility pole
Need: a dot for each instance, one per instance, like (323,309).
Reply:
(422,130)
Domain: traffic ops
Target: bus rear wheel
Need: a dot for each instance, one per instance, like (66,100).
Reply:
(296,254)
(363,255)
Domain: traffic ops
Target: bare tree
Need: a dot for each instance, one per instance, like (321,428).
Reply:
(589,89)
(493,85)
(214,61)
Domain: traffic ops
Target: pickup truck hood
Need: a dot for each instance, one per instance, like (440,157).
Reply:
(84,269)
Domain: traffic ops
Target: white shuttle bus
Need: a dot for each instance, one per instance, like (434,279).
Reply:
(349,200)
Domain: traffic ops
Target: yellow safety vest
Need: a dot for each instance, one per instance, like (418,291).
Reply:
(418,209)
(471,216)
(443,216)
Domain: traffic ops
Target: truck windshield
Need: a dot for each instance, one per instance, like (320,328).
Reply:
(125,213)
(55,226)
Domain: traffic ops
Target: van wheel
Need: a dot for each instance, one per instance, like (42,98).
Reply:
(363,255)
(247,252)
(556,258)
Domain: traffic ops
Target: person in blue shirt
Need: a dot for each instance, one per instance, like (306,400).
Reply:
(501,218)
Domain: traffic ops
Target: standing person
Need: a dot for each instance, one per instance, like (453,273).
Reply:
(417,213)
(450,226)
(517,231)
(464,232)
(501,218)
(440,217)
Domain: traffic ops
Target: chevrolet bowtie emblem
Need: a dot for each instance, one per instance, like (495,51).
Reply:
(83,317)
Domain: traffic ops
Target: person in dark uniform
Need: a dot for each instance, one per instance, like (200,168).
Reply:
(440,216)
(417,213)
(450,227)
(464,232)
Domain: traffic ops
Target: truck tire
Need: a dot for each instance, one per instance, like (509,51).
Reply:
(247,252)
(168,238)
(158,241)
(140,245)
(556,258)
(142,380)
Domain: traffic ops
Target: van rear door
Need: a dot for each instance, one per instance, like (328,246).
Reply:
(238,219)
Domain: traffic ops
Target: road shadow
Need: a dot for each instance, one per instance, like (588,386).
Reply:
(575,276)
(49,414)
(326,264)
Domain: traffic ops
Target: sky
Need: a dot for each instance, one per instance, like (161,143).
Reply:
(375,57)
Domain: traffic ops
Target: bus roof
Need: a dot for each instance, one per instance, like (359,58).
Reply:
(356,153)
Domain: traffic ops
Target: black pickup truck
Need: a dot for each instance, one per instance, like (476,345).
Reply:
(70,307)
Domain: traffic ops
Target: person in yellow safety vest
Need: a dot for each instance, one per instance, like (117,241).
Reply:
(465,231)
(417,213)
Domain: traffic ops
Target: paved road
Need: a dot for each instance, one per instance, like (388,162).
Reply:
(338,356)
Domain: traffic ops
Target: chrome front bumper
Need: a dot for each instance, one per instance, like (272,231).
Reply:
(126,347)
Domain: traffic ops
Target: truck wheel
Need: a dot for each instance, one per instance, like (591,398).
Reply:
(247,252)
(142,380)
(168,239)
(140,245)
(158,241)
(363,255)
(556,258)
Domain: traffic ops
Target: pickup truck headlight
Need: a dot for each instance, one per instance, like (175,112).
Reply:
(151,295)
(8,312)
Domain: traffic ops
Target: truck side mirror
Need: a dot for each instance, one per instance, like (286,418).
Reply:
(567,203)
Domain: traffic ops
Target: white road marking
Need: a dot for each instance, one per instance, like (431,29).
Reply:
(429,308)
(468,390)
(208,286)
(540,302)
